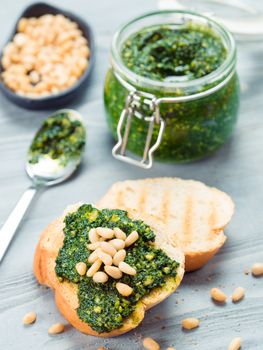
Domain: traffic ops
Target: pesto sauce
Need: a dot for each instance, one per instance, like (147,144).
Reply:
(159,52)
(194,129)
(60,138)
(100,305)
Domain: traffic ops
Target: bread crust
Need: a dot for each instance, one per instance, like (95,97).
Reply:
(65,292)
(155,200)
(195,260)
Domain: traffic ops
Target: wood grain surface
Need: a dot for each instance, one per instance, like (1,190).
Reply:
(237,169)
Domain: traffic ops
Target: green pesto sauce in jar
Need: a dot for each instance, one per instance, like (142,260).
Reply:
(100,305)
(168,54)
(60,137)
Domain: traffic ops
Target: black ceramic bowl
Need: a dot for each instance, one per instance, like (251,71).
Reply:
(67,95)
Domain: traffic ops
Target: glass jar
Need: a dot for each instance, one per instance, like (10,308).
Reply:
(177,121)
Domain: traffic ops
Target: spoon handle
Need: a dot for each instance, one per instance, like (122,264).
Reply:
(9,228)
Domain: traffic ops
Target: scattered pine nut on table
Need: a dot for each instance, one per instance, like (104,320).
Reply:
(190,323)
(235,344)
(218,295)
(56,328)
(29,318)
(257,269)
(150,344)
(238,294)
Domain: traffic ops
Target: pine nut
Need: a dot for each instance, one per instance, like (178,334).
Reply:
(105,258)
(93,256)
(34,77)
(100,277)
(94,268)
(126,268)
(113,271)
(150,344)
(118,244)
(119,234)
(29,318)
(20,39)
(235,344)
(105,232)
(257,269)
(108,248)
(218,295)
(81,267)
(190,323)
(101,348)
(93,246)
(56,328)
(93,236)
(119,257)
(170,348)
(132,238)
(124,289)
(238,294)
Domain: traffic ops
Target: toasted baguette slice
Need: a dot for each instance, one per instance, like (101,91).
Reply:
(189,214)
(66,293)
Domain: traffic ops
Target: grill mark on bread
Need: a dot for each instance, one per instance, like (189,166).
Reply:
(212,216)
(212,220)
(142,199)
(187,222)
(165,206)
(119,199)
(211,211)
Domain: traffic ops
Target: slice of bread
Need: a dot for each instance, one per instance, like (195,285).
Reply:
(189,214)
(66,293)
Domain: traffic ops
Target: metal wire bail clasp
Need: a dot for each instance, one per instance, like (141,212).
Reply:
(131,110)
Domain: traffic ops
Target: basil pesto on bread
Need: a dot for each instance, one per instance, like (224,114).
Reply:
(101,306)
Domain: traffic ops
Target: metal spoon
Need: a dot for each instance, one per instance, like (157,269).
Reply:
(46,172)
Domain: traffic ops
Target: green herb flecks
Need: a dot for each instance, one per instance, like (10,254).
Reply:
(194,129)
(60,138)
(100,305)
(164,51)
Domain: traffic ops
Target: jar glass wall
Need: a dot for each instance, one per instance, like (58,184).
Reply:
(205,112)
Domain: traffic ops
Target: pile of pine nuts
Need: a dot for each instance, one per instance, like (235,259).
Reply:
(47,55)
(108,251)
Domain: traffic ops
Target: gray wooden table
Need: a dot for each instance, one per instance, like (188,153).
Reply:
(237,169)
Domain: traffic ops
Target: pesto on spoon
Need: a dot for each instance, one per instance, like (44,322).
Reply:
(54,155)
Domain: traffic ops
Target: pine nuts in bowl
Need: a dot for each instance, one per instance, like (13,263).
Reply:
(48,58)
